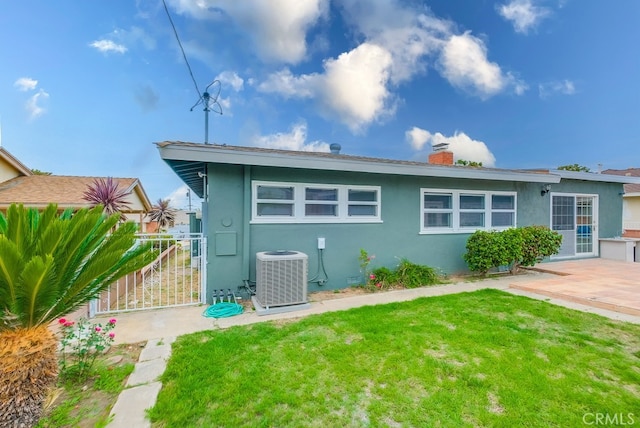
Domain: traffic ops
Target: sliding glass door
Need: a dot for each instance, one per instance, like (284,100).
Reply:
(575,217)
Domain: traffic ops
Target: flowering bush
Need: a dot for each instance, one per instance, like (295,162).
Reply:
(368,277)
(81,343)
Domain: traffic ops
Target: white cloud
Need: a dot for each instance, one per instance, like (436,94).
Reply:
(355,86)
(284,83)
(352,89)
(295,139)
(465,65)
(277,27)
(462,146)
(34,104)
(106,46)
(25,84)
(179,199)
(119,39)
(396,42)
(232,79)
(417,137)
(408,34)
(563,87)
(523,14)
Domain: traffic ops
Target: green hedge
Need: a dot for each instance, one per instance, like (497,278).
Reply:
(522,246)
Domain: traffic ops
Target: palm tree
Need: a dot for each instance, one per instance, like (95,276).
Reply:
(51,264)
(162,213)
(108,194)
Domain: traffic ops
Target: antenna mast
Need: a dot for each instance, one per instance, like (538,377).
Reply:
(210,104)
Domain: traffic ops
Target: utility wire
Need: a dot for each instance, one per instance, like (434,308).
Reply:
(181,48)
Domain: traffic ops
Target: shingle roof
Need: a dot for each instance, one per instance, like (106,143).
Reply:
(14,162)
(66,191)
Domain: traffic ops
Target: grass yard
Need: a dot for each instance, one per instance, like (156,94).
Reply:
(486,358)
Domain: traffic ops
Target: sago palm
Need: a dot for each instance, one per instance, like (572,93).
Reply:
(51,264)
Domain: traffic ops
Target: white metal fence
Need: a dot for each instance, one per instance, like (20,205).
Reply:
(176,277)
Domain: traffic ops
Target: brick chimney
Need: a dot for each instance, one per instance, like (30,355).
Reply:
(441,155)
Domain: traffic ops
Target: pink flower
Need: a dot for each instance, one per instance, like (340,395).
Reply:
(62,321)
(372,277)
(98,329)
(112,335)
(379,285)
(68,324)
(112,321)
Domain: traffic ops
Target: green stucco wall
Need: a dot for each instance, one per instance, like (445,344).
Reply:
(395,238)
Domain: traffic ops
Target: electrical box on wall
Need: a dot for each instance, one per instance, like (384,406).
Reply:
(321,243)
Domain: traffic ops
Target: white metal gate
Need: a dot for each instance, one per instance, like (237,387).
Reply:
(176,277)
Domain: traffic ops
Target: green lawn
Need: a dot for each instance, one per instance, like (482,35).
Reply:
(486,358)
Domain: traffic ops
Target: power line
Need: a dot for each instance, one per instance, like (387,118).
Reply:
(205,98)
(181,48)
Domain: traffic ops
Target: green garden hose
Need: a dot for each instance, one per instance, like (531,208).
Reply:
(223,310)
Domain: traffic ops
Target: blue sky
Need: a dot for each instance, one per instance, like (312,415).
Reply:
(86,88)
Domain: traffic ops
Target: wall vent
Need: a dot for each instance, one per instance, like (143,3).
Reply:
(281,278)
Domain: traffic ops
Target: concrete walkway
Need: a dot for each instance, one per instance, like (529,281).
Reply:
(160,328)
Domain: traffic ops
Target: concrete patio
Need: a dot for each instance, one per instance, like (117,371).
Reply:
(601,283)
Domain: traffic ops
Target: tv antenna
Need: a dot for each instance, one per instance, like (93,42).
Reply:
(210,103)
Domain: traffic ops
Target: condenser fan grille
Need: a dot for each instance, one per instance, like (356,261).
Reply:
(281,278)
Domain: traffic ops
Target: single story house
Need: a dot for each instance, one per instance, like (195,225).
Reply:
(630,202)
(18,184)
(330,205)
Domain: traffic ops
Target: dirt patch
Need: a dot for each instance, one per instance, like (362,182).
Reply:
(88,405)
(318,296)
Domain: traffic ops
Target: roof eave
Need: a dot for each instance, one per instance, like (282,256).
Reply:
(14,162)
(212,154)
(590,176)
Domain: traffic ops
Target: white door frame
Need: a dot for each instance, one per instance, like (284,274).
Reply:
(572,233)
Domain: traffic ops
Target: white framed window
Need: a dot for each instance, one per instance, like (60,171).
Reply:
(277,202)
(464,211)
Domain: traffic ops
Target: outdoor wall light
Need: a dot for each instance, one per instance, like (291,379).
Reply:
(545,189)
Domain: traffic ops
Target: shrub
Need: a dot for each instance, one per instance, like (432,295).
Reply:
(523,246)
(163,242)
(406,274)
(483,251)
(383,278)
(539,242)
(411,275)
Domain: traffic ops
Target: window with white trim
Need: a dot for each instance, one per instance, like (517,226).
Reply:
(276,202)
(459,211)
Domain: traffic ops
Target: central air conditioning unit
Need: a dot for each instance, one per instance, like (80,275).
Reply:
(281,278)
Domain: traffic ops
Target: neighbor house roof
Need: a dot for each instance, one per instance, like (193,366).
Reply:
(11,167)
(66,191)
(629,189)
(189,161)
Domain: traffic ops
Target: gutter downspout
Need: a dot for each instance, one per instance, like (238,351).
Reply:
(246,239)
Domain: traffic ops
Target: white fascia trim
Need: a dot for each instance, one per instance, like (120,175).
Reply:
(591,176)
(215,155)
